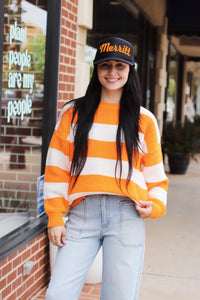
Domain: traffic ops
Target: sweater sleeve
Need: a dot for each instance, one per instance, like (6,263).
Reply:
(153,171)
(57,172)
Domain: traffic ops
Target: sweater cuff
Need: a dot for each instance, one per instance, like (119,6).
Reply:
(55,219)
(158,210)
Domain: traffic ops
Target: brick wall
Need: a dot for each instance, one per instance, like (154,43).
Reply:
(13,285)
(67,52)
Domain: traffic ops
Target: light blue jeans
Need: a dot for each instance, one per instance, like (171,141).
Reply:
(110,221)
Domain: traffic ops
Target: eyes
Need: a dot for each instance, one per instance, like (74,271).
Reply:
(108,66)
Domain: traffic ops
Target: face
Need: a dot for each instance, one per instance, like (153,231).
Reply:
(113,74)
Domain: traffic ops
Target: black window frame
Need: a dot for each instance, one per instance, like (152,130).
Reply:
(51,75)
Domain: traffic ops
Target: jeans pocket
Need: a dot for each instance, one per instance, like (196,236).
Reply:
(132,231)
(76,221)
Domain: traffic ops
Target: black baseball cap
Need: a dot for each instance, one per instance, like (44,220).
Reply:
(114,48)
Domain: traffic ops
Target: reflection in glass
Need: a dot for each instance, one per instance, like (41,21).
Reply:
(172,85)
(21,107)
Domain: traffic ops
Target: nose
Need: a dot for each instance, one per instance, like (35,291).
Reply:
(112,69)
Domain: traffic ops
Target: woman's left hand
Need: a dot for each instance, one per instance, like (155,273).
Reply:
(144,208)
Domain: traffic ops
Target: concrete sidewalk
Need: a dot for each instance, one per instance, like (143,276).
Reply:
(172,259)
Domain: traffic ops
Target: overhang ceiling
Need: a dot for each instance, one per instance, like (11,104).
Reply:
(111,18)
(188,46)
(118,18)
(183,17)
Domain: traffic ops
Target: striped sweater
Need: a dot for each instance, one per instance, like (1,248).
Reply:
(148,180)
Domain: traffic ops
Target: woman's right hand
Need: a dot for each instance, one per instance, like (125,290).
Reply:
(57,235)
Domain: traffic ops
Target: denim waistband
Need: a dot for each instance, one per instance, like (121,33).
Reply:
(108,197)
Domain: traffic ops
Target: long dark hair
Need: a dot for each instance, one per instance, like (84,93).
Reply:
(128,127)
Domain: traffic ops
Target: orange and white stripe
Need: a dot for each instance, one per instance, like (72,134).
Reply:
(148,180)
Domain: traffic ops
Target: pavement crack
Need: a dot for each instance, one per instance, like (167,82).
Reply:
(171,276)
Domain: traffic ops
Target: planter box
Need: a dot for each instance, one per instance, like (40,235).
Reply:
(178,162)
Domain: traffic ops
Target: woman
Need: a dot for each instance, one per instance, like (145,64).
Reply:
(105,163)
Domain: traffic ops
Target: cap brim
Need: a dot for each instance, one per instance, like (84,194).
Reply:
(112,58)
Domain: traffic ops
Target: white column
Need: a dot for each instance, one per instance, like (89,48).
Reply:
(161,74)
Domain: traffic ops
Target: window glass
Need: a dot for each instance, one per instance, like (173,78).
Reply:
(21,110)
(172,85)
(90,53)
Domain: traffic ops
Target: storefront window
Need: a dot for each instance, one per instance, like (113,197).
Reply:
(21,110)
(89,57)
(172,85)
(197,93)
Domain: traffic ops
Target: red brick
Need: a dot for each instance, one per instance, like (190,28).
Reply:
(12,256)
(13,296)
(17,261)
(74,9)
(39,284)
(73,44)
(65,13)
(6,292)
(62,69)
(3,262)
(46,247)
(20,290)
(6,269)
(68,24)
(66,60)
(62,86)
(68,5)
(11,277)
(27,294)
(16,283)
(26,254)
(61,77)
(30,281)
(86,289)
(38,255)
(64,32)
(42,259)
(38,273)
(43,242)
(19,270)
(96,291)
(73,63)
(62,22)
(67,42)
(41,295)
(71,16)
(2,284)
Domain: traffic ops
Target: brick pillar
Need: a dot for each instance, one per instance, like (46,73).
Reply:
(85,12)
(67,52)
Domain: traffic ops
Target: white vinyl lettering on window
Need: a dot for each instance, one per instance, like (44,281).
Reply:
(19,80)
(19,108)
